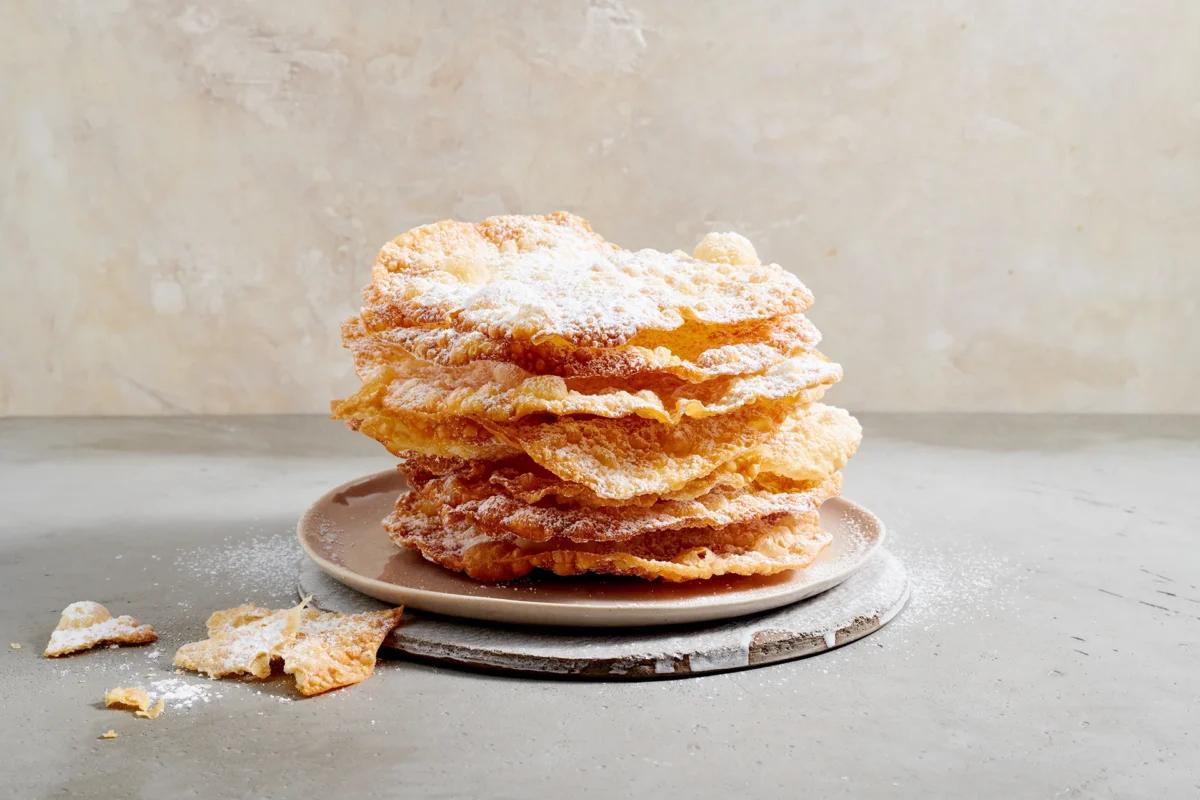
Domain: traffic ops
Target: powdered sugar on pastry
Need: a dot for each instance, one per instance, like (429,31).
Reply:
(695,354)
(86,624)
(323,650)
(503,392)
(546,277)
(241,641)
(332,650)
(562,403)
(759,548)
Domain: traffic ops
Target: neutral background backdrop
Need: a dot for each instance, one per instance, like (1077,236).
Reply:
(997,205)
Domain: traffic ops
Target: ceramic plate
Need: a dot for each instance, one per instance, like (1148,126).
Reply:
(343,533)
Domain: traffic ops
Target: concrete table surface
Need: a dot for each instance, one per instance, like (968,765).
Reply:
(1051,647)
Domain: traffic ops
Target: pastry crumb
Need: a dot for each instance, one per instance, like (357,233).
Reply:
(153,711)
(136,700)
(14,645)
(86,624)
(108,734)
(127,697)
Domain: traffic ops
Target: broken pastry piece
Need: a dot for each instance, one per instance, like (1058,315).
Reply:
(241,641)
(135,700)
(85,625)
(323,649)
(332,650)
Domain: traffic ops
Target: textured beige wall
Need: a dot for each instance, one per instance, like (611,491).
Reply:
(997,204)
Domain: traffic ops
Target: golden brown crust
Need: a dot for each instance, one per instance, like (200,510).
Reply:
(86,624)
(615,458)
(542,277)
(499,392)
(765,547)
(562,403)
(334,650)
(475,498)
(809,446)
(704,353)
(324,650)
(401,432)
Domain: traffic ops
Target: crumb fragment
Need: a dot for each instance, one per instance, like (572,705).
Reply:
(135,700)
(86,624)
(322,649)
(108,734)
(153,711)
(127,697)
(15,645)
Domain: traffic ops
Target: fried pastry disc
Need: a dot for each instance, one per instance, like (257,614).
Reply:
(487,390)
(811,444)
(623,458)
(718,508)
(401,432)
(760,548)
(710,352)
(615,458)
(544,278)
(452,497)
(807,447)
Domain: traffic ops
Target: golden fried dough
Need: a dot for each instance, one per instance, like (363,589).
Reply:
(542,277)
(499,392)
(324,650)
(760,548)
(87,624)
(430,434)
(615,458)
(333,650)
(245,640)
(623,458)
(136,700)
(810,445)
(454,496)
(707,352)
(561,403)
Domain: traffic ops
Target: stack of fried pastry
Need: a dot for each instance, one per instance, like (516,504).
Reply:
(559,402)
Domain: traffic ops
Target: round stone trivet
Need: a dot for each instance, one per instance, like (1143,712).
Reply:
(864,603)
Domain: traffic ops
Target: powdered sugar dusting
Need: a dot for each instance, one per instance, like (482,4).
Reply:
(552,276)
(85,624)
(71,639)
(263,565)
(954,586)
(179,693)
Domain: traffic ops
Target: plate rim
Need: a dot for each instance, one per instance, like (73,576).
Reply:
(524,611)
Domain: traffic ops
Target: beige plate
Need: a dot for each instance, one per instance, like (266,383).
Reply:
(343,533)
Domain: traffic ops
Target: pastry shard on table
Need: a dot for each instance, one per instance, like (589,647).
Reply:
(135,700)
(323,650)
(87,624)
(560,403)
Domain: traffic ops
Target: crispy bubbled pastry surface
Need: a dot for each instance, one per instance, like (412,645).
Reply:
(564,404)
